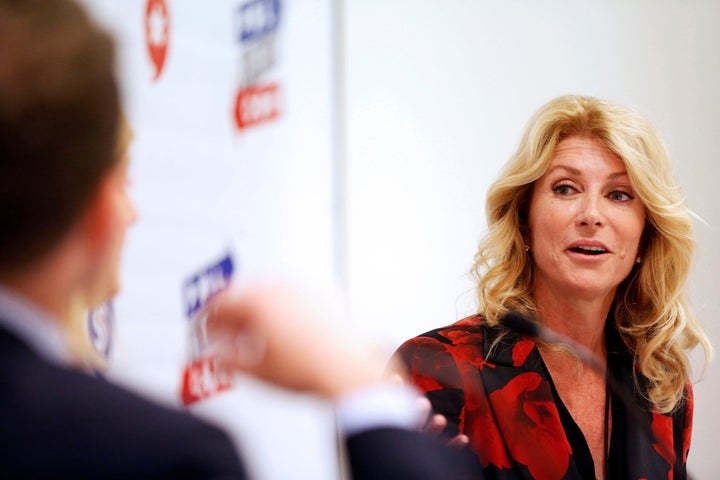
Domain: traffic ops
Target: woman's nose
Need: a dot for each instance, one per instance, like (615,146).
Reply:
(590,211)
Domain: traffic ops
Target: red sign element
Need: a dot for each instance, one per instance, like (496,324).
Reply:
(257,104)
(202,379)
(157,33)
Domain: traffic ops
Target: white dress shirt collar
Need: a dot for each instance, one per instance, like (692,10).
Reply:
(33,326)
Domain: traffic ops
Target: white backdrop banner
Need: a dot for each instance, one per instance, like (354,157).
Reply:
(231,104)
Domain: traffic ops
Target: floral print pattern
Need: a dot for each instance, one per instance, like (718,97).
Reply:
(495,390)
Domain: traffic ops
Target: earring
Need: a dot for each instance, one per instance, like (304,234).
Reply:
(638,260)
(527,248)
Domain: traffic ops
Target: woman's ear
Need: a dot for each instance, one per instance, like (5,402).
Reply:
(525,234)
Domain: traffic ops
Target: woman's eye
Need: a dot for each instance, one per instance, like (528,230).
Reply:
(620,196)
(563,189)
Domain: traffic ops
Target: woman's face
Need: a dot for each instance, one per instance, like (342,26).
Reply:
(585,222)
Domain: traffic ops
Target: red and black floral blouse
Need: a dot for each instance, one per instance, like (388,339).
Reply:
(505,402)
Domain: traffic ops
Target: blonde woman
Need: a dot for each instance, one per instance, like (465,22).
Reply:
(588,235)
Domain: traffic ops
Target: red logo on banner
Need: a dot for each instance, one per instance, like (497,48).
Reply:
(256,104)
(202,379)
(157,33)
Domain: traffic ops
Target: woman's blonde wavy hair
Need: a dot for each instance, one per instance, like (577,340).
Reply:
(650,306)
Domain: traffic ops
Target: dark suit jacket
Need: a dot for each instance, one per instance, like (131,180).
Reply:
(503,398)
(60,423)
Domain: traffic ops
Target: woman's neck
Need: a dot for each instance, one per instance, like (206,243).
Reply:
(581,320)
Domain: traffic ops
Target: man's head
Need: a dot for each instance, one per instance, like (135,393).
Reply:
(59,113)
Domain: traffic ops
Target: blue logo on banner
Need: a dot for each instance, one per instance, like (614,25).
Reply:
(199,289)
(258,18)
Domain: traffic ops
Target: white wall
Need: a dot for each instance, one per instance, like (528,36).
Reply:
(437,94)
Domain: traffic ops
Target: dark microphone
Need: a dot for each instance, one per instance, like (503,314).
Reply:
(519,323)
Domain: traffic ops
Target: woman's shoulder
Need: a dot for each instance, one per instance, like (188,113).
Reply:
(472,330)
(439,350)
(471,325)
